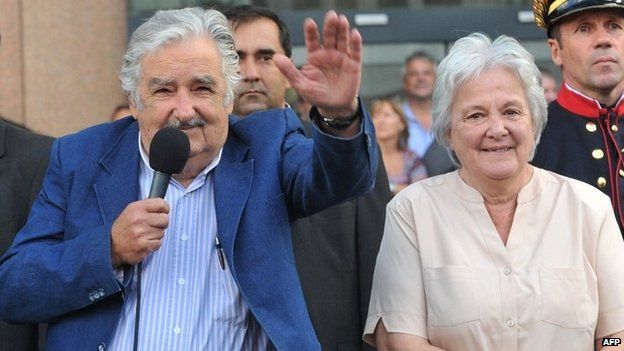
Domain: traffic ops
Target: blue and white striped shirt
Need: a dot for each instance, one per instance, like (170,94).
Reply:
(188,302)
(419,137)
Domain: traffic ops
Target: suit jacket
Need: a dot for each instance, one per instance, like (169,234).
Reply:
(335,252)
(59,268)
(23,161)
(437,160)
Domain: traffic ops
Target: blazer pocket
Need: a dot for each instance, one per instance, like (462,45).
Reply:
(564,299)
(451,295)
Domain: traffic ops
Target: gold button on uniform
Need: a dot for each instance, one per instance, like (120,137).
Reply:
(621,172)
(591,126)
(601,182)
(614,128)
(597,154)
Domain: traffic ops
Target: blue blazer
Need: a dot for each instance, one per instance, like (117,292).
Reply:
(59,269)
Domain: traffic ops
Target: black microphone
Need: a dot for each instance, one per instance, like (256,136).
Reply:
(169,151)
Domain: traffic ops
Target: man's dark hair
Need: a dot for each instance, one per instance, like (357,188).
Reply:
(555,33)
(420,55)
(247,13)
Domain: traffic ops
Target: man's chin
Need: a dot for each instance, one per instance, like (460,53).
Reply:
(243,109)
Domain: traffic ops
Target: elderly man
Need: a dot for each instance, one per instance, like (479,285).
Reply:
(335,249)
(217,265)
(583,138)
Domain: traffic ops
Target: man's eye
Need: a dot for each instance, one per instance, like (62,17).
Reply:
(476,115)
(266,57)
(161,91)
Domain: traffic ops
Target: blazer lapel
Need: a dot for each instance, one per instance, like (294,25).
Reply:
(118,182)
(232,185)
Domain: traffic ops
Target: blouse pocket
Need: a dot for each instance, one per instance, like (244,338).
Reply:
(451,295)
(564,298)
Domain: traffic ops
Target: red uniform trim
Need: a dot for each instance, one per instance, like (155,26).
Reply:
(583,105)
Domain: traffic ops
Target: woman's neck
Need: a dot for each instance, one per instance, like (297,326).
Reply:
(389,146)
(500,197)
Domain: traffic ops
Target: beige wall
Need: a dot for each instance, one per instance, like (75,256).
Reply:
(59,62)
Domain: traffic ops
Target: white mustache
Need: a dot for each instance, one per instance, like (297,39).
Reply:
(193,122)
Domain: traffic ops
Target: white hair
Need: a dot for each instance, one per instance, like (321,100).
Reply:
(468,58)
(170,26)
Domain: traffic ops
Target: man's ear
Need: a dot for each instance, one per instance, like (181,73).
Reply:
(555,51)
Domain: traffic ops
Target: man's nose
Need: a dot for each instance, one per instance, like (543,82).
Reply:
(183,105)
(249,70)
(604,39)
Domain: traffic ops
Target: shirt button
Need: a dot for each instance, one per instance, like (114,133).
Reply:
(181,281)
(510,323)
(101,346)
(177,330)
(184,237)
(507,271)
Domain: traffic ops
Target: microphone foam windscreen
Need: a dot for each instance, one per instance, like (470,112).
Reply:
(169,151)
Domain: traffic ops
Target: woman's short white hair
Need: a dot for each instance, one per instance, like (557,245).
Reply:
(468,58)
(170,26)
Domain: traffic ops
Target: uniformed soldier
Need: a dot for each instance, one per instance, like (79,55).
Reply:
(584,137)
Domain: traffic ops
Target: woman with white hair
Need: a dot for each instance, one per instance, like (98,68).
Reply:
(499,255)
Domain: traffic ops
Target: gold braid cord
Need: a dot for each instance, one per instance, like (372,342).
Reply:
(540,11)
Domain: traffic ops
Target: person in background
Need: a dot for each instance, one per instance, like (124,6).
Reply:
(499,255)
(217,267)
(120,112)
(550,85)
(418,78)
(335,249)
(23,161)
(584,137)
(403,165)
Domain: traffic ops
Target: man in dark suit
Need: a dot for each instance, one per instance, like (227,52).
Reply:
(335,250)
(216,253)
(23,162)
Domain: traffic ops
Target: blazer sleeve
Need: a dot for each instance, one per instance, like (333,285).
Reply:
(328,170)
(44,274)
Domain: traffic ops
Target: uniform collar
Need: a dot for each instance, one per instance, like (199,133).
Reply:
(581,104)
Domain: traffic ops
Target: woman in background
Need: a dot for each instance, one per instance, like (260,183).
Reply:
(403,166)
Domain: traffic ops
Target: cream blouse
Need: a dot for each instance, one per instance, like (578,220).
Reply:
(444,274)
